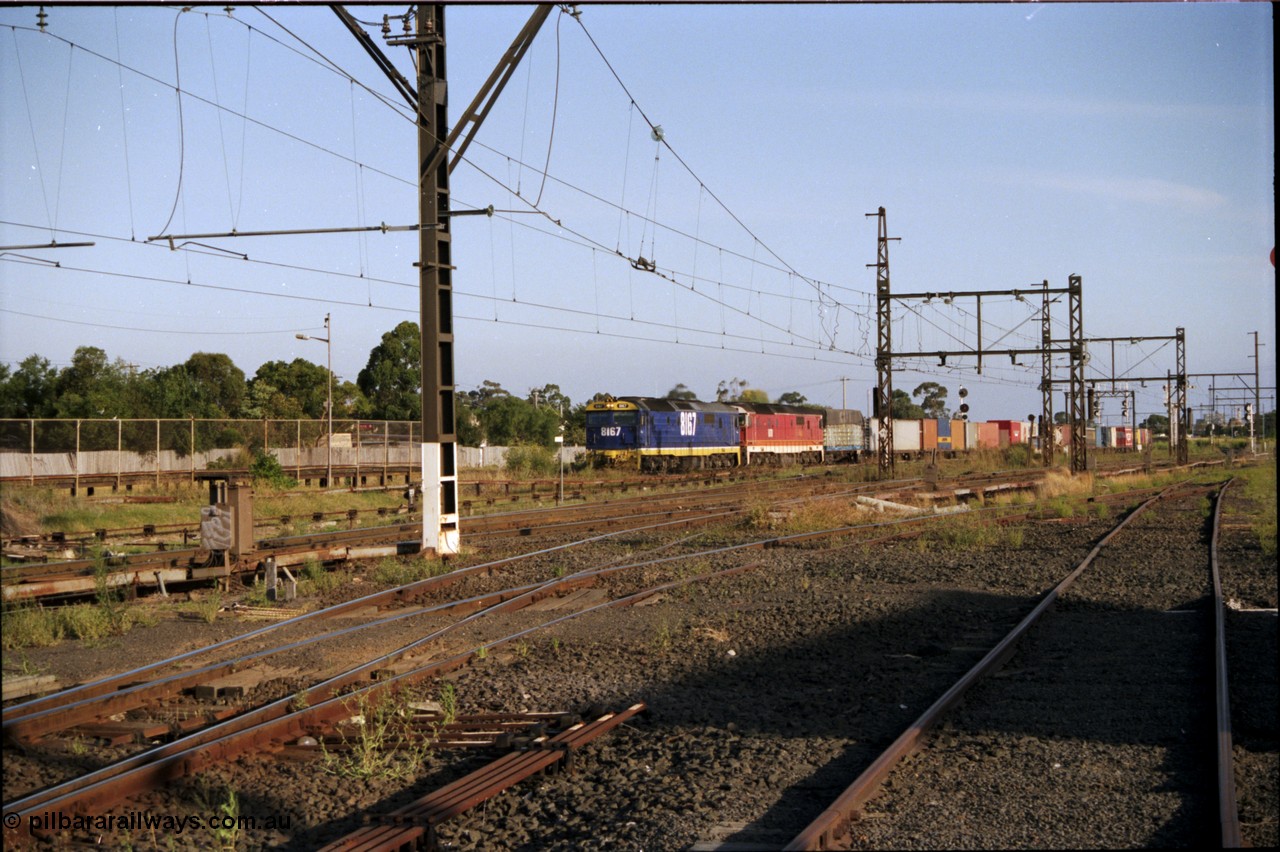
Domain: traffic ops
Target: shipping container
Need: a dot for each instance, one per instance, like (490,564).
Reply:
(843,441)
(844,417)
(906,435)
(971,431)
(928,435)
(1009,432)
(989,435)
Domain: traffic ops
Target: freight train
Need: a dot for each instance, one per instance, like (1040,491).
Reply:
(675,434)
(660,435)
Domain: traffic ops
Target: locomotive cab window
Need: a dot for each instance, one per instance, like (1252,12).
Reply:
(610,418)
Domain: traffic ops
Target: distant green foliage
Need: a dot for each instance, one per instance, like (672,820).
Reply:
(391,380)
(532,461)
(266,470)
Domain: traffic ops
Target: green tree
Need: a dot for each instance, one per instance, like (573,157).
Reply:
(508,420)
(29,390)
(303,386)
(265,401)
(171,392)
(731,389)
(1157,423)
(902,406)
(350,401)
(220,384)
(391,380)
(550,396)
(753,395)
(470,432)
(488,390)
(792,398)
(92,386)
(680,391)
(933,399)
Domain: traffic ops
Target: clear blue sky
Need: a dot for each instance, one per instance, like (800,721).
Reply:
(1131,144)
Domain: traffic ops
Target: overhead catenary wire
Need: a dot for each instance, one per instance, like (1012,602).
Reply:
(381,172)
(124,125)
(671,274)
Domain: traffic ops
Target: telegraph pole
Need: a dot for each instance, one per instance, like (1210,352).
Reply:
(1257,392)
(883,407)
(430,101)
(440,534)
(1046,380)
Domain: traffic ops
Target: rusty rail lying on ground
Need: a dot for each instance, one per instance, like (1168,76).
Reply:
(415,823)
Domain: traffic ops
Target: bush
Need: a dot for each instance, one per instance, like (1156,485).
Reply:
(266,469)
(527,460)
(1018,455)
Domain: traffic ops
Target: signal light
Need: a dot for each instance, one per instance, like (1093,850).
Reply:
(964,408)
(963,392)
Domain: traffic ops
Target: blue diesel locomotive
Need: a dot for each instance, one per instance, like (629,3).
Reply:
(659,435)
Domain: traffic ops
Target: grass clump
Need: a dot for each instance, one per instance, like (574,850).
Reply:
(1260,489)
(36,626)
(1060,483)
(379,739)
(967,531)
(30,626)
(206,608)
(313,579)
(395,571)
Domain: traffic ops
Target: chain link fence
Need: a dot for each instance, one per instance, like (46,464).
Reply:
(133,450)
(41,449)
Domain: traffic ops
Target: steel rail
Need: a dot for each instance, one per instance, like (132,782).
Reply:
(833,823)
(265,727)
(479,523)
(1228,809)
(405,826)
(12,721)
(14,728)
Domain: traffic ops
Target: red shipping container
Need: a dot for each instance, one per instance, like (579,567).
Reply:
(989,435)
(1009,432)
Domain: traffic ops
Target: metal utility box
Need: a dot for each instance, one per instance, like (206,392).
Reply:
(240,498)
(227,522)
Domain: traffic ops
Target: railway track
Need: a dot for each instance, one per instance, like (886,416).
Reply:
(163,568)
(1124,671)
(268,727)
(495,600)
(84,711)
